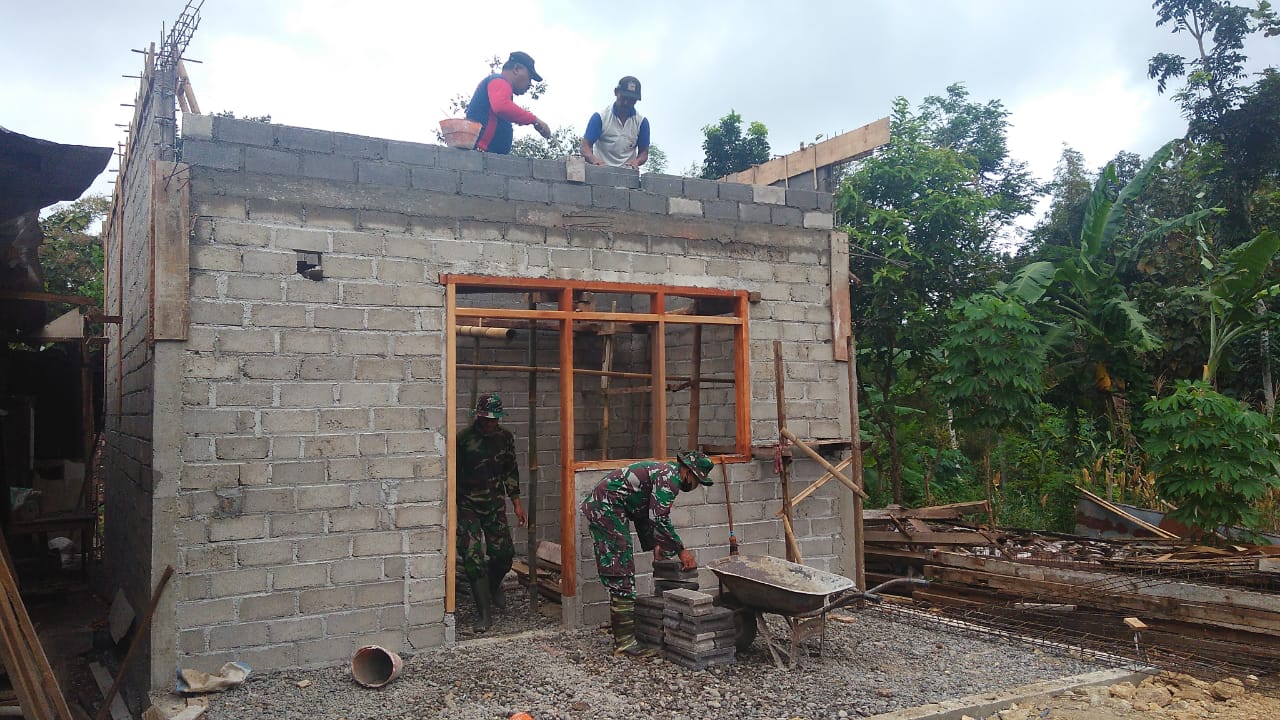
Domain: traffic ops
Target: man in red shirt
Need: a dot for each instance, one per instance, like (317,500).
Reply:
(494,108)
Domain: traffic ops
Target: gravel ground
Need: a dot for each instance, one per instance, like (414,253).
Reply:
(874,661)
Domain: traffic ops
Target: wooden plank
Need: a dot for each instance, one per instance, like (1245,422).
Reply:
(485,283)
(1088,581)
(841,148)
(23,655)
(568,510)
(451,443)
(103,679)
(841,310)
(170,210)
(658,347)
(44,297)
(1131,601)
(929,538)
(953,511)
(742,380)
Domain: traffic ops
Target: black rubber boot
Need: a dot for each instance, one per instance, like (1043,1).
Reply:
(622,614)
(496,592)
(484,604)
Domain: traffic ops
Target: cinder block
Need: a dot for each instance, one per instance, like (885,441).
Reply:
(335,368)
(265,262)
(612,176)
(737,192)
(295,138)
(579,195)
(338,317)
(285,631)
(300,473)
(278,316)
(508,165)
(412,153)
(383,543)
(332,218)
(753,213)
(240,448)
(241,233)
(205,257)
(359,146)
(400,271)
(356,571)
(315,343)
(824,201)
(684,206)
(434,179)
(220,206)
(311,602)
(336,420)
(241,635)
(254,288)
(268,607)
(659,184)
(410,516)
(720,209)
(238,582)
(699,189)
(220,156)
(382,173)
(550,170)
(819,220)
(347,623)
(216,313)
(528,190)
(788,216)
(206,612)
(380,369)
(355,519)
(483,184)
(196,126)
(271,162)
(470,160)
(375,594)
(209,559)
(269,500)
(329,446)
(296,577)
(612,198)
(769,195)
(329,651)
(801,198)
(575,169)
(243,131)
(329,167)
(267,210)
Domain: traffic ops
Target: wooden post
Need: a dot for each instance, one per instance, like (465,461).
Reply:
(451,439)
(695,388)
(855,454)
(531,537)
(659,395)
(793,547)
(568,508)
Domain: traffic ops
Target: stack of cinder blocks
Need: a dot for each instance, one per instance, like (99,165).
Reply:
(649,611)
(668,575)
(696,633)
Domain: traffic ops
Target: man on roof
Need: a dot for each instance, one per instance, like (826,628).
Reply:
(618,135)
(494,107)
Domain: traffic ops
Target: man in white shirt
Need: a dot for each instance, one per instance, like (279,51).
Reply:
(618,135)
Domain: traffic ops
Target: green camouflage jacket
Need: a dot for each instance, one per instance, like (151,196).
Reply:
(487,465)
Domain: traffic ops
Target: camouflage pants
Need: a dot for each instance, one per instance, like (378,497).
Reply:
(481,524)
(611,536)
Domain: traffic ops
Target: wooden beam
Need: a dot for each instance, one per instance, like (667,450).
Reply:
(841,148)
(742,380)
(170,208)
(488,283)
(953,511)
(813,455)
(816,485)
(780,398)
(569,508)
(658,345)
(45,297)
(695,387)
(841,311)
(451,444)
(927,538)
(855,458)
(652,317)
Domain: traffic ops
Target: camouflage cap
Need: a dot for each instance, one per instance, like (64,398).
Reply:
(489,406)
(698,462)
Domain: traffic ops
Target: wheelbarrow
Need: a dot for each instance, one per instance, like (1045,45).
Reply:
(756,585)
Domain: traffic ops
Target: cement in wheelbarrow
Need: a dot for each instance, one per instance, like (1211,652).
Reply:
(772,585)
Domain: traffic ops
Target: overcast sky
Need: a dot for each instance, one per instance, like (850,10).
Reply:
(1070,73)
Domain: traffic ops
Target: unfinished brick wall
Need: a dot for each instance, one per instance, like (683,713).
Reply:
(310,494)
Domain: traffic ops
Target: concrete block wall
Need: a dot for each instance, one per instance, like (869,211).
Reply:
(311,495)
(131,471)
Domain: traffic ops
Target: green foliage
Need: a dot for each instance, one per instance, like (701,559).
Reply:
(1212,77)
(71,256)
(658,160)
(726,149)
(992,363)
(564,141)
(1213,458)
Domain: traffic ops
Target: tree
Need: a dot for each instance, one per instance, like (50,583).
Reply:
(1213,76)
(1213,458)
(564,141)
(71,256)
(726,150)
(922,226)
(993,358)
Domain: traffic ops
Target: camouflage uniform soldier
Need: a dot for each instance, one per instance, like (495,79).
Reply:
(641,493)
(487,470)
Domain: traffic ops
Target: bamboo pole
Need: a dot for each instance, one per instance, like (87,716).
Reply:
(480,331)
(814,456)
(816,485)
(531,536)
(475,373)
(784,470)
(695,387)
(855,455)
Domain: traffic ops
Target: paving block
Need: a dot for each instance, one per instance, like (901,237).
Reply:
(688,599)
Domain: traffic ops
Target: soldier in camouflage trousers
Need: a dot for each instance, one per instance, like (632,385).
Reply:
(642,494)
(486,472)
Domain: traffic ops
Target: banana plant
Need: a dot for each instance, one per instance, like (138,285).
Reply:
(1237,282)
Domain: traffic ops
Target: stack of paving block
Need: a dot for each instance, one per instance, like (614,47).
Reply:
(667,575)
(696,633)
(649,610)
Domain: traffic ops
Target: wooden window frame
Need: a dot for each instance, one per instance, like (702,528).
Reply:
(566,314)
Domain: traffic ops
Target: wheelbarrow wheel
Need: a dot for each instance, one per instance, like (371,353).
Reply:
(744,621)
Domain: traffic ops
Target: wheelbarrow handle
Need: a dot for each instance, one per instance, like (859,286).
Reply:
(873,595)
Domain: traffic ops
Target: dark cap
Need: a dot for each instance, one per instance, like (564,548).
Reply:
(524,59)
(628,87)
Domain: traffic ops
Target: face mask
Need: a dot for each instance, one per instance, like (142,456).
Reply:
(685,485)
